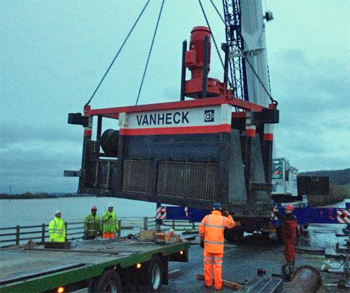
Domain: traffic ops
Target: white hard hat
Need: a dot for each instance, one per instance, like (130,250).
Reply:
(110,205)
(57,212)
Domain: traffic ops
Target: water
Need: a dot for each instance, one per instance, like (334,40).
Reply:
(75,209)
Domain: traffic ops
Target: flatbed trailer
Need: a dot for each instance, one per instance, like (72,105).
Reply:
(90,266)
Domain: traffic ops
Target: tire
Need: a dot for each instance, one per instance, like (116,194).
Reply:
(152,278)
(109,282)
(233,235)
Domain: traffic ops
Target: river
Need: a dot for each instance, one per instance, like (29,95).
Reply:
(38,211)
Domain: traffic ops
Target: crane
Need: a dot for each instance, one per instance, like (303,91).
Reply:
(162,152)
(215,144)
(245,37)
(246,42)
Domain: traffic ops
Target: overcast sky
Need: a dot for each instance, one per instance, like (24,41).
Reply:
(54,53)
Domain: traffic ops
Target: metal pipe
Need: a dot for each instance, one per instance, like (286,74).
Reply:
(183,73)
(346,265)
(267,152)
(43,233)
(65,226)
(205,67)
(225,48)
(306,279)
(83,180)
(18,228)
(145,223)
(99,128)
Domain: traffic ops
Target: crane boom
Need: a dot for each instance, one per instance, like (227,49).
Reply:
(235,43)
(245,36)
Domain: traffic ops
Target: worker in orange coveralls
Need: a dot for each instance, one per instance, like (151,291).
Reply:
(211,233)
(289,232)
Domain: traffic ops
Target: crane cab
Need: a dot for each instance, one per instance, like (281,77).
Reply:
(284,179)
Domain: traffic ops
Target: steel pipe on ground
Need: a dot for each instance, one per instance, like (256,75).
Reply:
(305,279)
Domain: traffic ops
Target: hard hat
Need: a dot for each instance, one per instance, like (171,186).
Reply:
(110,205)
(289,207)
(217,206)
(57,212)
(94,208)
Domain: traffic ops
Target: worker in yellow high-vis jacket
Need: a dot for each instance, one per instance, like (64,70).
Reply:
(92,225)
(109,223)
(57,229)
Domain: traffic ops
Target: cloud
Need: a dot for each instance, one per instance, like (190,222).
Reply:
(39,165)
(40,134)
(51,65)
(314,103)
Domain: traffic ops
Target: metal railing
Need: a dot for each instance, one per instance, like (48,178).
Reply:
(19,235)
(179,225)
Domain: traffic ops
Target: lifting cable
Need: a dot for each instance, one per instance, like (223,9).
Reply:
(273,101)
(149,53)
(217,11)
(223,21)
(248,62)
(116,56)
(212,34)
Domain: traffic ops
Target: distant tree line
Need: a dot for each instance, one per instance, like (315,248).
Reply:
(336,177)
(337,193)
(339,189)
(38,195)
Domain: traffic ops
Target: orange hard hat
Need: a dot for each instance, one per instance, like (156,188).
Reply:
(289,207)
(94,208)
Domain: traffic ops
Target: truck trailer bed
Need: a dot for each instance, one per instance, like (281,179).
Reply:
(39,269)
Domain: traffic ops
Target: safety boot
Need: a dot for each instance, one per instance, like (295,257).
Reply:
(287,271)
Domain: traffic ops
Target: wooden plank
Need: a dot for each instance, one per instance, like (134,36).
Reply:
(310,250)
(225,283)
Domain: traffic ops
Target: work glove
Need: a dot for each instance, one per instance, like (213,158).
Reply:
(225,213)
(202,243)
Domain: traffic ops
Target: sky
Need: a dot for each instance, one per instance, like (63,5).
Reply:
(54,53)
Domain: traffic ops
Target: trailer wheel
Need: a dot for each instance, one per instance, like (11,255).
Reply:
(152,279)
(109,282)
(233,235)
